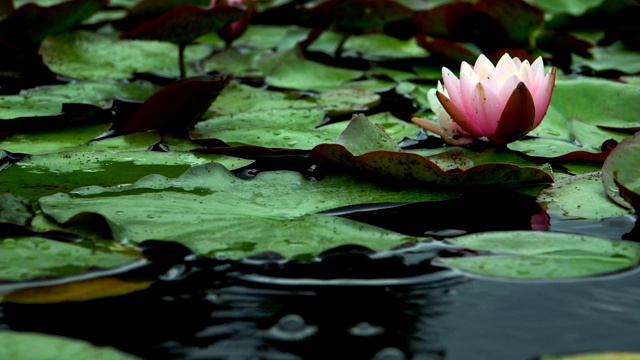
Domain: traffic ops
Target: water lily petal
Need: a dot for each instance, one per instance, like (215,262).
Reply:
(505,66)
(487,109)
(518,116)
(459,116)
(452,84)
(483,62)
(542,98)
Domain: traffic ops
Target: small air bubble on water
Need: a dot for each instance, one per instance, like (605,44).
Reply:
(389,354)
(292,327)
(366,329)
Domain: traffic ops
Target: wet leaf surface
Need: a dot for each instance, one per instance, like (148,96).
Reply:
(40,346)
(543,255)
(621,168)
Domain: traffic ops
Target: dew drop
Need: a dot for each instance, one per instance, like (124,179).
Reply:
(366,329)
(390,353)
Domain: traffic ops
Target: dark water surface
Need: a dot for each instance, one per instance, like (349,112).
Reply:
(351,304)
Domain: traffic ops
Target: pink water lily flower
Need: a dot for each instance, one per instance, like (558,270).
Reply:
(496,103)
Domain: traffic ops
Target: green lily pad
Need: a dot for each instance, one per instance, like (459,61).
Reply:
(347,101)
(374,46)
(207,209)
(48,100)
(97,56)
(241,64)
(621,167)
(69,170)
(581,196)
(28,258)
(36,346)
(584,114)
(309,75)
(238,98)
(53,141)
(543,255)
(572,7)
(271,37)
(616,57)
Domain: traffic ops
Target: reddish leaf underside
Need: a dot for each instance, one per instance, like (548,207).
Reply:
(183,24)
(414,167)
(177,106)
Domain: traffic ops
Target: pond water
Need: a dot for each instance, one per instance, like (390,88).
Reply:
(350,303)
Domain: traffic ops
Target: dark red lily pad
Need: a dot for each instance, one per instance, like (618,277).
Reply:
(414,167)
(629,195)
(450,21)
(447,49)
(183,24)
(362,14)
(26,26)
(179,105)
(146,10)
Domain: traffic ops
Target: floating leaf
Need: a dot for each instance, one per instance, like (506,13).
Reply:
(177,106)
(572,7)
(185,23)
(310,75)
(52,141)
(66,171)
(27,258)
(97,56)
(20,345)
(621,167)
(31,23)
(207,208)
(414,167)
(583,118)
(580,196)
(543,255)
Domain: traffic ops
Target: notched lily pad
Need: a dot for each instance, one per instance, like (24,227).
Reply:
(542,255)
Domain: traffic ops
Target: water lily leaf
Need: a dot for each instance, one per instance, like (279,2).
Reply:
(98,56)
(14,209)
(21,345)
(370,46)
(612,355)
(583,118)
(519,20)
(360,127)
(360,14)
(310,75)
(81,290)
(177,106)
(347,101)
(48,100)
(572,7)
(31,23)
(447,49)
(206,208)
(66,171)
(231,60)
(254,100)
(543,255)
(581,196)
(27,258)
(144,10)
(616,57)
(185,23)
(278,128)
(52,141)
(357,151)
(622,167)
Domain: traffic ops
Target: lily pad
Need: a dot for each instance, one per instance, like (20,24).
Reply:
(48,100)
(25,345)
(46,142)
(622,167)
(309,75)
(69,170)
(543,255)
(28,258)
(582,117)
(616,57)
(357,151)
(207,209)
(581,196)
(97,56)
